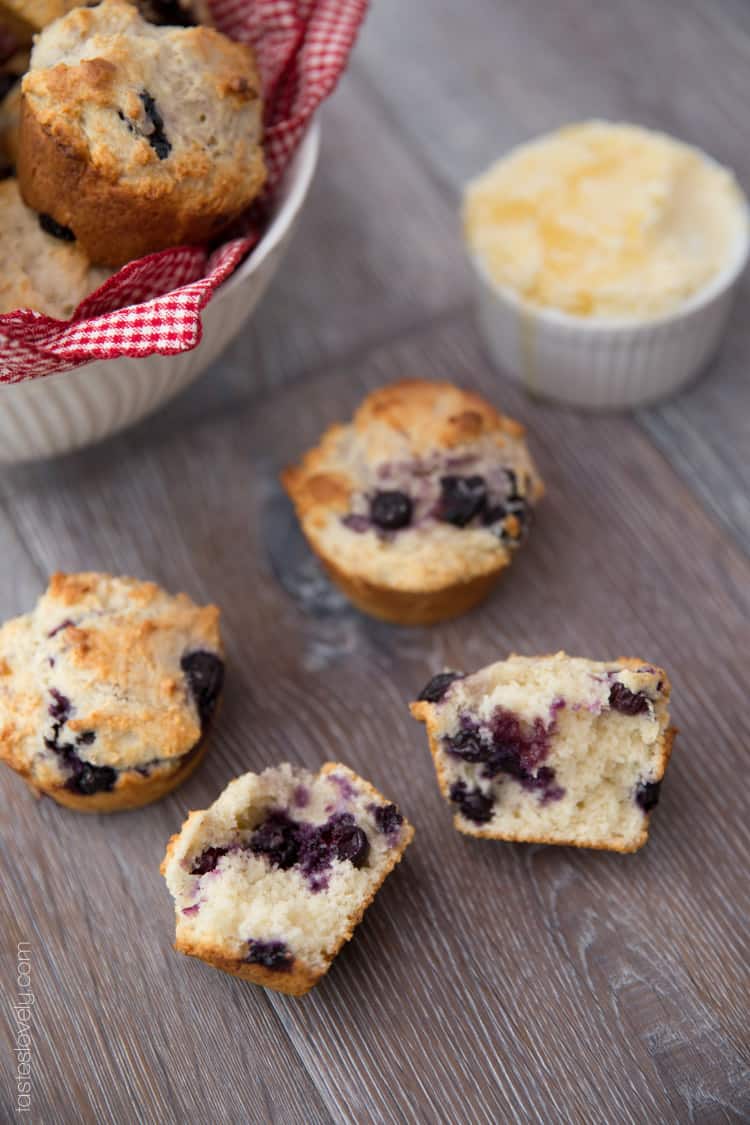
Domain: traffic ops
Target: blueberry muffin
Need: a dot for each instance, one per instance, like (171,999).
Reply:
(42,268)
(106,690)
(137,137)
(273,878)
(25,17)
(11,73)
(417,506)
(551,749)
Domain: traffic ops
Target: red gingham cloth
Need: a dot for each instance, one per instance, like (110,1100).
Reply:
(302,47)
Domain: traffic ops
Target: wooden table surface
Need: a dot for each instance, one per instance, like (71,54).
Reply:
(489,982)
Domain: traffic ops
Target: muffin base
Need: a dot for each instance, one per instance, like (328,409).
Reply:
(412,607)
(111,224)
(131,795)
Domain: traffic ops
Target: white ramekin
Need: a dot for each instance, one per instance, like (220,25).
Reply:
(605,364)
(58,413)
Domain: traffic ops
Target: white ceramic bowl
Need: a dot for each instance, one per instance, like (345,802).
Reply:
(58,413)
(606,364)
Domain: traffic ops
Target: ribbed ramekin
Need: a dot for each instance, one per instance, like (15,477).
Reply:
(59,413)
(606,364)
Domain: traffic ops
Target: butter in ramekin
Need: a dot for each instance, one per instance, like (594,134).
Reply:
(605,220)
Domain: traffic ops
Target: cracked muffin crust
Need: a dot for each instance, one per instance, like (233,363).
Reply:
(106,690)
(137,137)
(551,749)
(417,506)
(41,268)
(273,878)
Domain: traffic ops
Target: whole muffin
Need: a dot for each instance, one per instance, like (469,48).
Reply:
(138,137)
(417,506)
(106,690)
(42,268)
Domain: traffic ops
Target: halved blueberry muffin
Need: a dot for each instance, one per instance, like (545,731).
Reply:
(272,879)
(551,749)
(417,506)
(106,690)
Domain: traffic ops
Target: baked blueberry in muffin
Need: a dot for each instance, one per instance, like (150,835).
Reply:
(137,137)
(417,506)
(272,879)
(551,749)
(107,689)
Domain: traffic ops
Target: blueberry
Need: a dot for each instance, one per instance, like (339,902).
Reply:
(626,701)
(388,819)
(360,524)
(461,499)
(467,745)
(207,860)
(435,691)
(57,230)
(278,839)
(473,803)
(351,843)
(647,795)
(88,779)
(61,707)
(204,672)
(269,954)
(391,510)
(86,738)
(157,138)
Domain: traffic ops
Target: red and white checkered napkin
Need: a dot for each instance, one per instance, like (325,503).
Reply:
(302,47)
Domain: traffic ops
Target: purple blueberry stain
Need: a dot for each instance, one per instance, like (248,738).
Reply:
(506,746)
(270,954)
(313,848)
(344,785)
(627,702)
(207,860)
(301,797)
(189,911)
(60,708)
(647,795)
(66,624)
(156,137)
(436,689)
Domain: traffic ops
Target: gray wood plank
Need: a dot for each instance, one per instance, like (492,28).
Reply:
(463,90)
(488,982)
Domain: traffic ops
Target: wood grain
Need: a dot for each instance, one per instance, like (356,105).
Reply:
(515,70)
(488,982)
